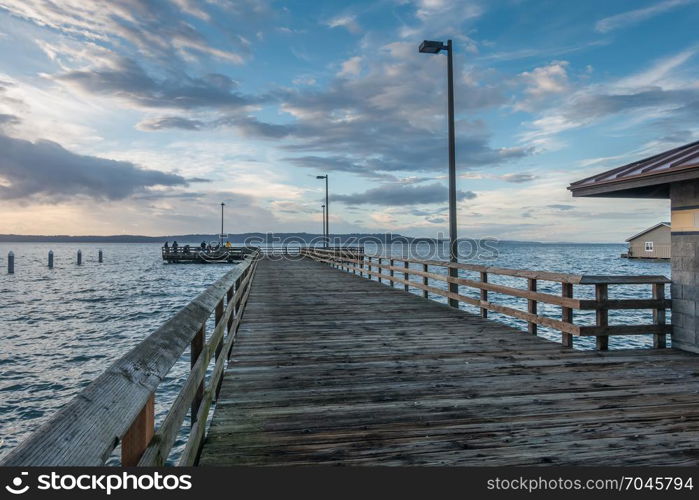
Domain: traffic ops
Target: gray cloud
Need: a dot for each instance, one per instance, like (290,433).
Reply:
(165,30)
(380,122)
(249,126)
(402,195)
(245,125)
(425,212)
(47,170)
(125,79)
(7,119)
(437,220)
(599,105)
(561,207)
(518,178)
(170,122)
(339,164)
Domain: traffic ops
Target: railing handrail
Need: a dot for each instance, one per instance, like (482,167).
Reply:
(372,266)
(90,426)
(575,279)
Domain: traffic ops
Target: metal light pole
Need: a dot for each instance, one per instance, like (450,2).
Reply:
(221,235)
(327,210)
(431,47)
(323,222)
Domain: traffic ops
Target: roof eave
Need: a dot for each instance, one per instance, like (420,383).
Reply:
(617,188)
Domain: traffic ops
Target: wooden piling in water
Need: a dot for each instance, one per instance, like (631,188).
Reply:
(80,257)
(50,259)
(99,256)
(11,262)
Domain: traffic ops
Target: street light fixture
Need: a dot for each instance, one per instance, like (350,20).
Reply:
(327,210)
(432,47)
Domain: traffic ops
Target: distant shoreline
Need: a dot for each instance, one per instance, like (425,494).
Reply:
(262,238)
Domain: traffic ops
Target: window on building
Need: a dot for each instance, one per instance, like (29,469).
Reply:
(649,246)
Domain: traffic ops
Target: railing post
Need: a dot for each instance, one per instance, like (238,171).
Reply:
(484,295)
(425,281)
(379,269)
(136,439)
(567,314)
(229,299)
(368,274)
(532,307)
(234,312)
(391,273)
(406,275)
(219,316)
(659,315)
(601,295)
(197,346)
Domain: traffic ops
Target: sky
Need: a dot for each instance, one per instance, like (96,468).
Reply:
(142,116)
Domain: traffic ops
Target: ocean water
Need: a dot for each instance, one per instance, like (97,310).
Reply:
(63,327)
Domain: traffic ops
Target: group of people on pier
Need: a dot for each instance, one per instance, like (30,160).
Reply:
(187,248)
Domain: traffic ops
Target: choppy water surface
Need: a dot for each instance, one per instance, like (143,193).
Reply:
(61,328)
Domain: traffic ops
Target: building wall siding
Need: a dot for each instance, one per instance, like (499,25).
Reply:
(660,236)
(685,273)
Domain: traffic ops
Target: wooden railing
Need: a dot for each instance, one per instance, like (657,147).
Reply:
(385,269)
(118,407)
(296,250)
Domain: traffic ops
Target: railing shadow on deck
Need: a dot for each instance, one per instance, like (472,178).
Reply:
(118,406)
(384,269)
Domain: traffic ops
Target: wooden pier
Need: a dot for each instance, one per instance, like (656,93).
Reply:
(331,368)
(328,367)
(196,254)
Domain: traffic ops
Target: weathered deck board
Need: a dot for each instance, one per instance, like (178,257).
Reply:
(331,368)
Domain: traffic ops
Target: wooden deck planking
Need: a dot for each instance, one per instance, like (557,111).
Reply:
(332,368)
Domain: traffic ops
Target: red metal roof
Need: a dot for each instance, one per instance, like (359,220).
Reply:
(652,171)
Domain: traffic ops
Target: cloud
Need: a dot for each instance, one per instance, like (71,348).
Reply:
(638,15)
(437,220)
(338,164)
(561,206)
(550,79)
(430,11)
(543,82)
(515,178)
(164,30)
(382,121)
(170,122)
(245,125)
(46,170)
(378,122)
(126,80)
(351,67)
(662,92)
(518,178)
(349,22)
(8,119)
(402,195)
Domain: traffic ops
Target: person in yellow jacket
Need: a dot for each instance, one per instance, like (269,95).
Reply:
(228,244)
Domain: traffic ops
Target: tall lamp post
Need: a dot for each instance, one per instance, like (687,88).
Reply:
(327,211)
(323,206)
(431,47)
(221,235)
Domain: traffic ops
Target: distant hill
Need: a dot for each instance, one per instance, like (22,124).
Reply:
(198,238)
(250,237)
